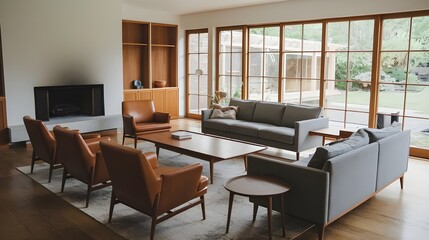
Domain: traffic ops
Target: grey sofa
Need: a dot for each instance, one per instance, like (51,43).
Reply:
(271,124)
(345,181)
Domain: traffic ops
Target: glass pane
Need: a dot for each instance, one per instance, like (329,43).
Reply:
(395,34)
(420,33)
(391,98)
(419,132)
(272,39)
(356,120)
(335,94)
(271,64)
(237,40)
(204,63)
(336,66)
(193,43)
(311,65)
(292,65)
(393,67)
(358,96)
(193,104)
(310,92)
(313,37)
(224,63)
(193,84)
(255,88)
(336,117)
(417,101)
(204,42)
(236,88)
(271,89)
(362,35)
(224,84)
(193,63)
(337,36)
(293,37)
(360,66)
(256,39)
(225,41)
(292,89)
(203,79)
(236,63)
(419,68)
(255,64)
(204,103)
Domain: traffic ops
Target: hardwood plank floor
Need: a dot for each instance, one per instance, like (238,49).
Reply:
(29,211)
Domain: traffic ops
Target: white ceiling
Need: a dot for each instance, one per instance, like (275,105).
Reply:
(181,7)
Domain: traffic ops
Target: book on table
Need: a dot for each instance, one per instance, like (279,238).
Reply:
(181,135)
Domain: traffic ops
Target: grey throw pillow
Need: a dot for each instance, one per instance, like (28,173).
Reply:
(377,134)
(323,154)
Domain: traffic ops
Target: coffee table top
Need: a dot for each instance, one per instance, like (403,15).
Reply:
(221,148)
(256,185)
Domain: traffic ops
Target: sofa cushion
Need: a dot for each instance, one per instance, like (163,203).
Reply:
(295,113)
(377,134)
(267,112)
(279,134)
(248,128)
(245,108)
(322,154)
(219,124)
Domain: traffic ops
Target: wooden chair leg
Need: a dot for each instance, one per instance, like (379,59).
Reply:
(33,160)
(255,210)
(297,156)
(88,191)
(321,231)
(64,179)
(135,142)
(401,181)
(203,208)
(51,169)
(112,205)
(152,228)
(123,139)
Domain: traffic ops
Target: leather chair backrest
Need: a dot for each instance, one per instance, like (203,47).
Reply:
(42,141)
(74,153)
(141,110)
(133,179)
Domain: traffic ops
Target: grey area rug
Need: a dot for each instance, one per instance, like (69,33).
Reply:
(132,224)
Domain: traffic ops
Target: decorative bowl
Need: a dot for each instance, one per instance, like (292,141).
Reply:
(160,83)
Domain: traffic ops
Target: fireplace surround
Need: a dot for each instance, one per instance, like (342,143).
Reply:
(70,100)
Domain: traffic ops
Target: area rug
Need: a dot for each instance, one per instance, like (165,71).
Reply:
(188,225)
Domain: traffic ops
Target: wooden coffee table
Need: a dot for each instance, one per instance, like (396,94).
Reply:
(257,186)
(335,133)
(205,147)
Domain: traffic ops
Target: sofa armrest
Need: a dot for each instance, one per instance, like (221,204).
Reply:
(303,140)
(352,179)
(393,155)
(128,123)
(162,117)
(308,197)
(205,115)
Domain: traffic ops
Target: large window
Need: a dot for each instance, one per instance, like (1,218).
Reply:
(263,63)
(404,77)
(230,62)
(302,50)
(197,72)
(348,66)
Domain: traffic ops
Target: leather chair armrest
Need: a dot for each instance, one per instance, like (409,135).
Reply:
(129,123)
(96,140)
(152,159)
(90,135)
(162,117)
(94,146)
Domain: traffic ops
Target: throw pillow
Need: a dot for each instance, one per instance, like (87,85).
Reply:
(323,154)
(377,134)
(219,114)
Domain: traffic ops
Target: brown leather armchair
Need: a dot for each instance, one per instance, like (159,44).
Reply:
(43,143)
(140,183)
(82,160)
(139,117)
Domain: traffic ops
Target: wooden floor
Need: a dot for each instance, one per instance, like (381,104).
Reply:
(29,211)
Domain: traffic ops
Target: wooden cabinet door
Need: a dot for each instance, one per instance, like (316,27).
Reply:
(131,95)
(172,102)
(145,95)
(158,97)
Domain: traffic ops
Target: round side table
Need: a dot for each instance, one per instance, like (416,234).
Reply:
(257,186)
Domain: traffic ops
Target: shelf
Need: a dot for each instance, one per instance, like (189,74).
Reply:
(135,44)
(163,45)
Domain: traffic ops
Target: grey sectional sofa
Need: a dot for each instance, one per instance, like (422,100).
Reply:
(344,181)
(271,124)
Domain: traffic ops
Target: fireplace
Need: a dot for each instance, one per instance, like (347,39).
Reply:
(72,100)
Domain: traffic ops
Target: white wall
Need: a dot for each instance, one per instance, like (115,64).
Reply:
(60,42)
